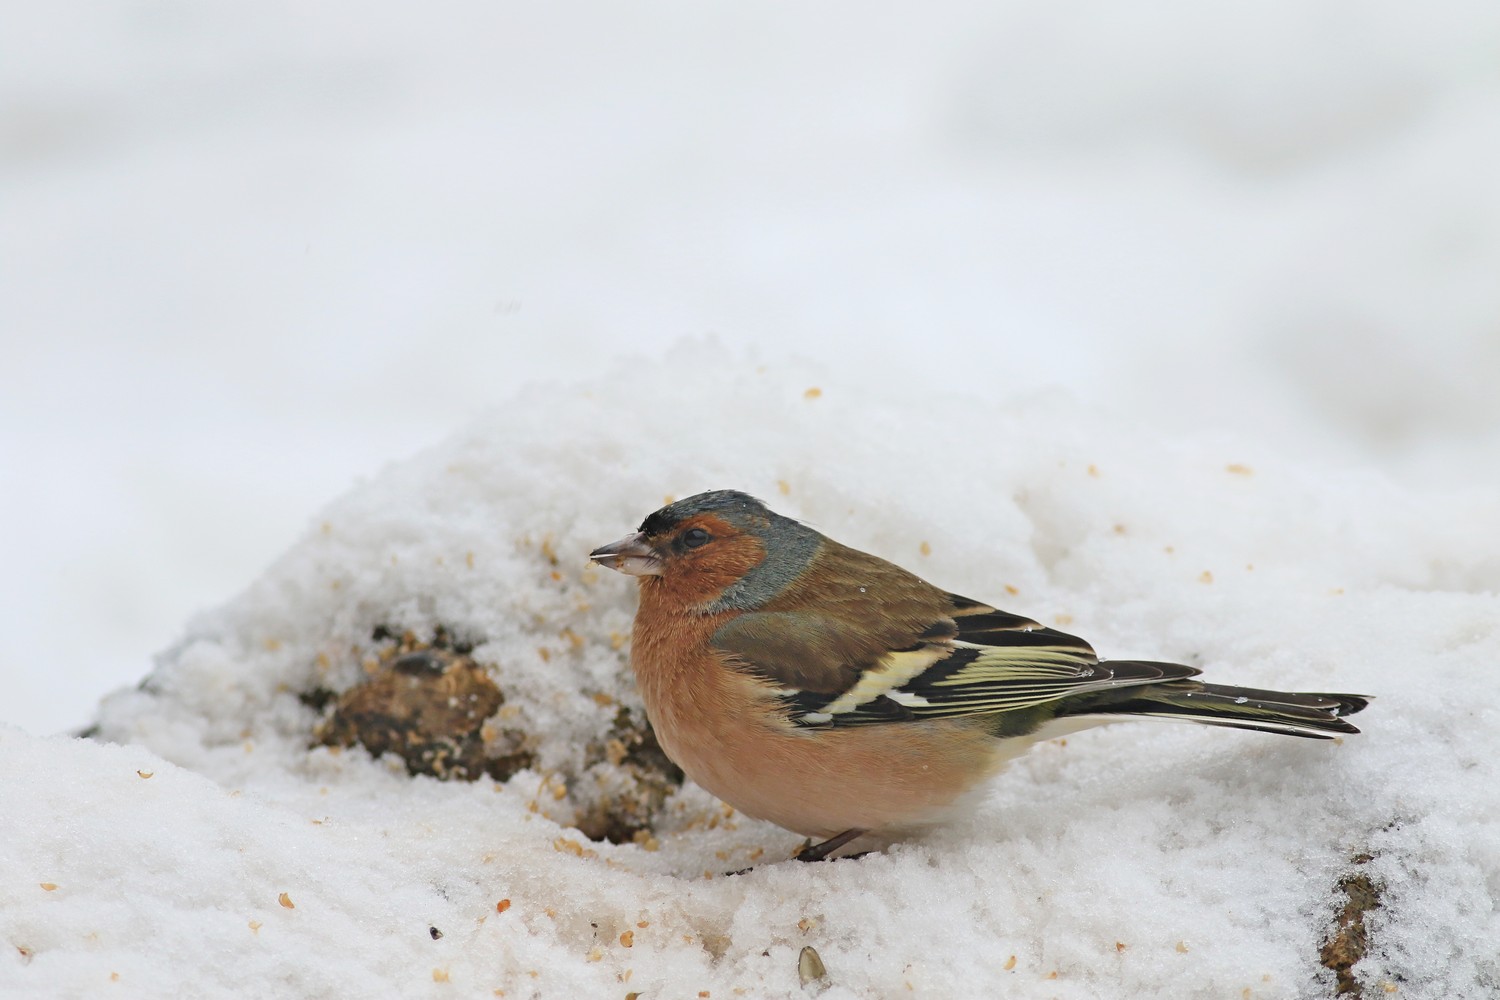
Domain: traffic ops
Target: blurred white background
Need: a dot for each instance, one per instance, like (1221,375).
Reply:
(249,253)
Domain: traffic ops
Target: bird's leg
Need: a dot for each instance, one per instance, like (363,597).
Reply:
(820,852)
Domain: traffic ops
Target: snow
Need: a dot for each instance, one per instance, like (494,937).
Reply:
(1176,327)
(1146,836)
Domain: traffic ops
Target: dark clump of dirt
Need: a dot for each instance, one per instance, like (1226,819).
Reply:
(1348,940)
(626,813)
(435,707)
(430,705)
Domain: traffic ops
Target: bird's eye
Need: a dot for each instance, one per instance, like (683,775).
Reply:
(694,537)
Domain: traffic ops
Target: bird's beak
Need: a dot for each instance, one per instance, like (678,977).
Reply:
(629,555)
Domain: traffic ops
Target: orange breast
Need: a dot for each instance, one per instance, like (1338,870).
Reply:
(719,725)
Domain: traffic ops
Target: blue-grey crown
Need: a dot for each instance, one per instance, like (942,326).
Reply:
(740,509)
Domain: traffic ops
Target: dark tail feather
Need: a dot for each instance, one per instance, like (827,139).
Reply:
(1313,716)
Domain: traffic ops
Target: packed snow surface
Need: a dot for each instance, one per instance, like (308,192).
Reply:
(198,846)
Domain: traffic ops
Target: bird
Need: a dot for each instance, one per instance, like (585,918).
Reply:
(836,694)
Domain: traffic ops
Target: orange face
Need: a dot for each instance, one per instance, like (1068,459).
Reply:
(700,557)
(691,561)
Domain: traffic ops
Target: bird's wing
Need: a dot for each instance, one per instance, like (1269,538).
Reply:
(975,660)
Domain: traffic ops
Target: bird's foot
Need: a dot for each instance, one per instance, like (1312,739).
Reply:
(820,852)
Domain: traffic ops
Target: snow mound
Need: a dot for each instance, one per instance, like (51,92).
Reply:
(216,851)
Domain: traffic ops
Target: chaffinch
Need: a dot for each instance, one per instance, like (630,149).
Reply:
(834,693)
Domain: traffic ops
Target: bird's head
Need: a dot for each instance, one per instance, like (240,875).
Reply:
(717,551)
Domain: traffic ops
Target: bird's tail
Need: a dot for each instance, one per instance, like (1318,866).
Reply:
(1314,716)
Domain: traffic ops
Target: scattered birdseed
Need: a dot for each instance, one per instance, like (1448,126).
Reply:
(810,965)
